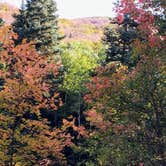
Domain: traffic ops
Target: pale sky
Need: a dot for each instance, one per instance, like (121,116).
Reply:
(79,8)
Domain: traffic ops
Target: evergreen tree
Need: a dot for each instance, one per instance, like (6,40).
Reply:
(1,24)
(1,48)
(160,16)
(119,40)
(20,25)
(37,22)
(1,21)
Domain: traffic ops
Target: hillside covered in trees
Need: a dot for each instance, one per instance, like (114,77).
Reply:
(74,29)
(83,92)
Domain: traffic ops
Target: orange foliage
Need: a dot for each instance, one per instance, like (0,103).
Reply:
(26,137)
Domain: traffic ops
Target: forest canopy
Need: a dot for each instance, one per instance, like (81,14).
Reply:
(83,92)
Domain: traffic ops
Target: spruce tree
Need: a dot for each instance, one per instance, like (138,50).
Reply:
(37,22)
(20,25)
(119,41)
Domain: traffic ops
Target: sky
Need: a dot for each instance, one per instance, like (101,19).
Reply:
(79,8)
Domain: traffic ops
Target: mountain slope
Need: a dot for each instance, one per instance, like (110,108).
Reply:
(84,28)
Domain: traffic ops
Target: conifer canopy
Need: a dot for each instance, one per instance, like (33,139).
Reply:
(37,21)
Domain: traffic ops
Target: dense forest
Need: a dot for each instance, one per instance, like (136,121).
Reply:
(83,92)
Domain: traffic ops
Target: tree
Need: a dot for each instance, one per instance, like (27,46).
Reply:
(78,60)
(38,22)
(26,136)
(127,108)
(20,25)
(106,124)
(1,22)
(119,39)
(126,112)
(146,86)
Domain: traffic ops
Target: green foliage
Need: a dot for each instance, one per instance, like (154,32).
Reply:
(20,25)
(119,41)
(131,106)
(131,110)
(1,22)
(79,59)
(38,22)
(94,153)
(160,16)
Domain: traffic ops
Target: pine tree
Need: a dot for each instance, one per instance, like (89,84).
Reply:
(119,40)
(37,22)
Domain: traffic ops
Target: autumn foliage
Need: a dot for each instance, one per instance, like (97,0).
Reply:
(88,110)
(26,137)
(126,107)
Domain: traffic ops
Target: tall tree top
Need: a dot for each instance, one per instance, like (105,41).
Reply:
(38,22)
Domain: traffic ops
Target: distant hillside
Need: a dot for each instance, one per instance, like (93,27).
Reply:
(90,29)
(6,12)
(83,28)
